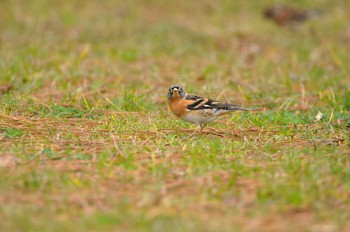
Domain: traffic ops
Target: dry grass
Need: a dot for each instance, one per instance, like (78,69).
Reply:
(87,141)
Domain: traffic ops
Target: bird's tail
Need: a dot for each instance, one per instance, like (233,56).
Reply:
(245,109)
(238,108)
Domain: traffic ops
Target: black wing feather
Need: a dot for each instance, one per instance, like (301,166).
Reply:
(193,97)
(210,104)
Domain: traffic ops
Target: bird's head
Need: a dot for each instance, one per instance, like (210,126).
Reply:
(176,91)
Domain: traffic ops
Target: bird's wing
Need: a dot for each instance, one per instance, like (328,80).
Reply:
(193,97)
(200,103)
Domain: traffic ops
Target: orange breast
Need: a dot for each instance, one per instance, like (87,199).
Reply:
(178,106)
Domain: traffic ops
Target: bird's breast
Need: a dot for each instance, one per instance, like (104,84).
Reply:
(178,107)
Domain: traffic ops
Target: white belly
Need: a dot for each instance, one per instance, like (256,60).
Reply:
(200,117)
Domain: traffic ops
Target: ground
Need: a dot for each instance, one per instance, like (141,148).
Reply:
(87,142)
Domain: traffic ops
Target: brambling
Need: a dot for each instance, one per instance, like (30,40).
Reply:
(285,15)
(195,109)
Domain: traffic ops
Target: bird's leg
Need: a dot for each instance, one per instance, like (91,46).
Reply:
(201,127)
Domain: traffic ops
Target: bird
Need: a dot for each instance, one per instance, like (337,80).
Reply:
(196,109)
(284,15)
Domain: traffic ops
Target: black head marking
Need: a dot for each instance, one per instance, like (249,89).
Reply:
(176,89)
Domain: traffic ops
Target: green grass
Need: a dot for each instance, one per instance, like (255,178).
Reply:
(87,142)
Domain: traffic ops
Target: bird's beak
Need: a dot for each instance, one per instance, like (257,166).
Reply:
(175,90)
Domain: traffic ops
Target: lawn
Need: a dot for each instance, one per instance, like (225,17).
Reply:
(87,142)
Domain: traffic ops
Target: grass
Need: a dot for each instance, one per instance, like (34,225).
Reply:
(88,144)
